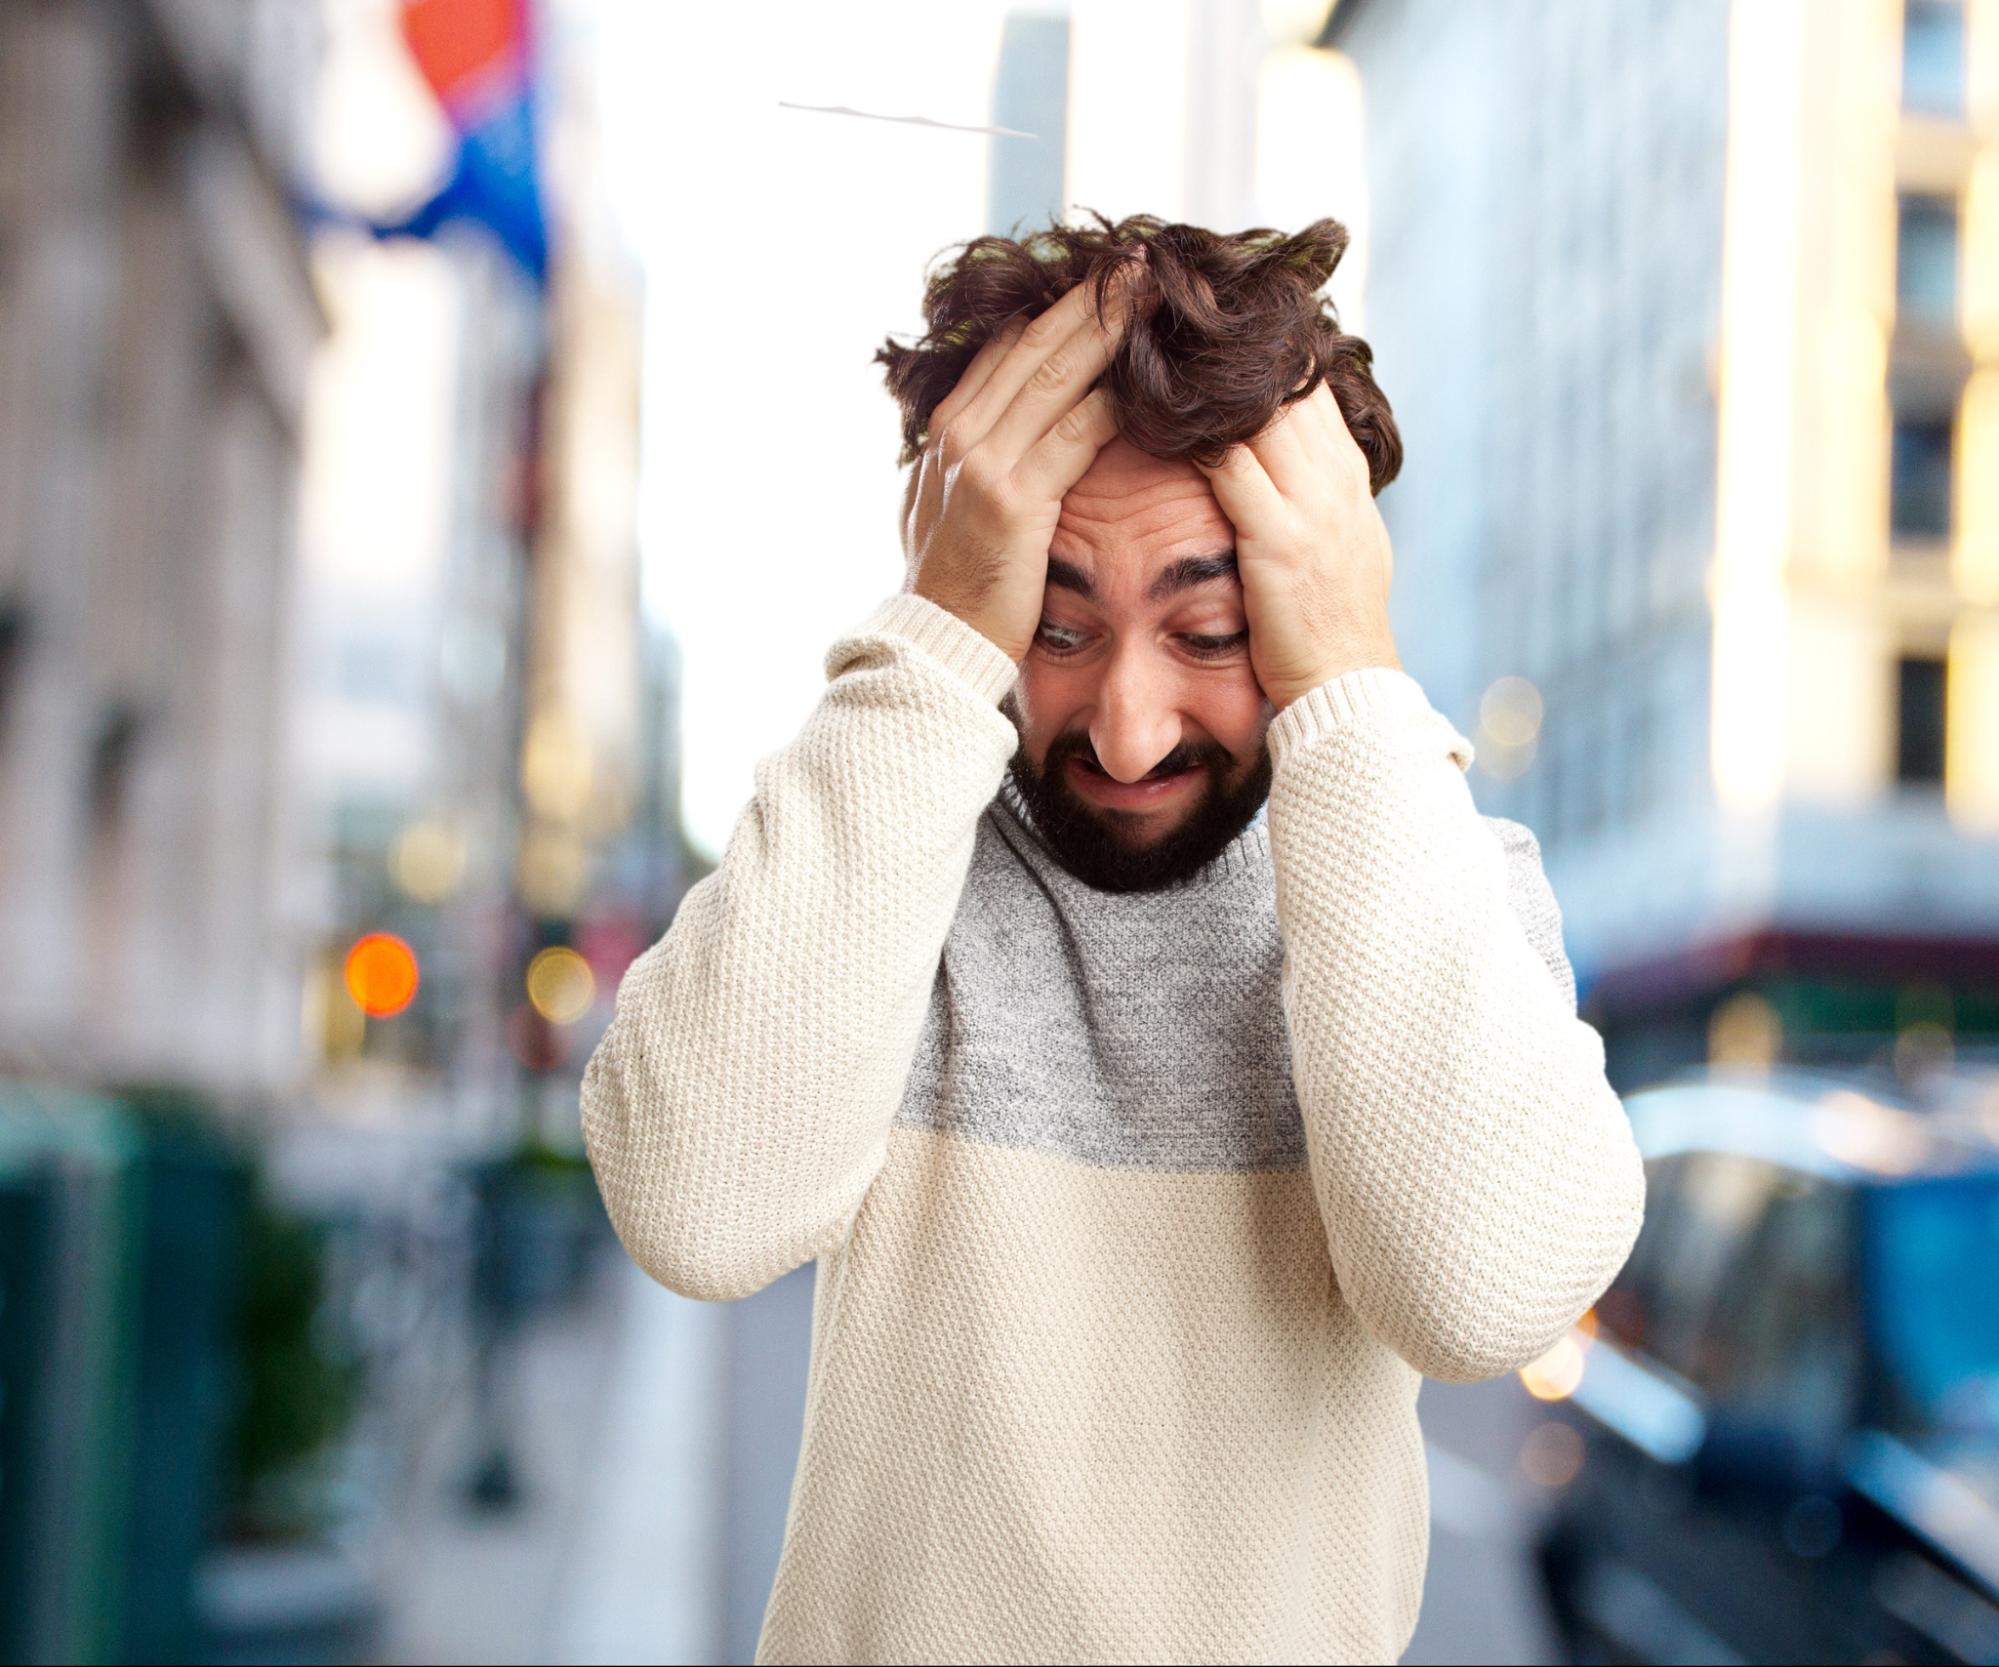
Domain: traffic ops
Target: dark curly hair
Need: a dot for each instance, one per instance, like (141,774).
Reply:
(1228,330)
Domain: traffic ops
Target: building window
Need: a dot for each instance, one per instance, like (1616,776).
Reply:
(1926,257)
(1920,477)
(1933,57)
(1919,719)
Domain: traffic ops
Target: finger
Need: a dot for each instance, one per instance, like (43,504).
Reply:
(1241,486)
(975,374)
(1341,437)
(1061,381)
(1071,321)
(1288,448)
(1063,455)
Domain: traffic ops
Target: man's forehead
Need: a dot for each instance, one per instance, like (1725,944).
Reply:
(1135,522)
(1121,475)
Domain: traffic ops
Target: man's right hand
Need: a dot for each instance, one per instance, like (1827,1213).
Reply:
(1020,428)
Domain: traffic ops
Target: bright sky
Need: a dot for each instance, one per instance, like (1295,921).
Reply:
(781,247)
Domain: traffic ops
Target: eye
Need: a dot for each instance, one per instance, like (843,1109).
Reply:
(1213,648)
(1058,639)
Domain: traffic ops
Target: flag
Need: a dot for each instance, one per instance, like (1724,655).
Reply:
(478,57)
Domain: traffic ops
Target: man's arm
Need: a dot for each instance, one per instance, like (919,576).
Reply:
(739,1105)
(740,1102)
(1477,1173)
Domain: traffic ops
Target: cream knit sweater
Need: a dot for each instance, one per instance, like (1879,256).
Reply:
(1138,1218)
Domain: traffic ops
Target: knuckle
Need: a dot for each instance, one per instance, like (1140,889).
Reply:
(1051,374)
(978,475)
(1078,423)
(1041,330)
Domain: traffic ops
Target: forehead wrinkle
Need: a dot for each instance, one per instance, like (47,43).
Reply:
(1136,500)
(1131,516)
(1155,541)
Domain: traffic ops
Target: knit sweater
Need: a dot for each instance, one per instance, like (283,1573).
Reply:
(1139,1218)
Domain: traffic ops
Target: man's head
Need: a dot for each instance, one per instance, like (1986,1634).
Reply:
(1141,721)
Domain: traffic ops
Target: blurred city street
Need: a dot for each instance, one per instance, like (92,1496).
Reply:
(439,441)
(604,1558)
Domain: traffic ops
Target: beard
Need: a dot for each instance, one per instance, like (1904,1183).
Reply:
(1106,849)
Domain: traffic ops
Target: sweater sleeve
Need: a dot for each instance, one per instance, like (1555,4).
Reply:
(739,1104)
(1476,1172)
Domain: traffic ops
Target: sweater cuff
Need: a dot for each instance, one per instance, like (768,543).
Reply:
(964,651)
(1368,694)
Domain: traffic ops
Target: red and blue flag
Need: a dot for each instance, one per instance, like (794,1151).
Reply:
(479,58)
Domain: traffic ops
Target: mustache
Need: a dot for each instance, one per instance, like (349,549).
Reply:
(1185,756)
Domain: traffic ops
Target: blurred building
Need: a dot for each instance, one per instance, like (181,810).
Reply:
(1689,314)
(601,862)
(481,728)
(156,328)
(415,541)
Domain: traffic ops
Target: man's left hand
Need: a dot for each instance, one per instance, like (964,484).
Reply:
(1311,549)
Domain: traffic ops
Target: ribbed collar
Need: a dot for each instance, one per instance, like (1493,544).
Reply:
(1244,858)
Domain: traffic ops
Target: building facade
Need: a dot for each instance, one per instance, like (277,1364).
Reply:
(1686,312)
(156,327)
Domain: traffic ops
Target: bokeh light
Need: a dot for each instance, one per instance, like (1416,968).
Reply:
(1552,1454)
(1849,1126)
(381,975)
(1746,1031)
(1509,727)
(1555,1375)
(427,861)
(560,985)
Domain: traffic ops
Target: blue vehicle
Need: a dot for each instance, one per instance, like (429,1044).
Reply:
(1789,1398)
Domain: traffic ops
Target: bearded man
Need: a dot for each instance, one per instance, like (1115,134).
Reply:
(1115,988)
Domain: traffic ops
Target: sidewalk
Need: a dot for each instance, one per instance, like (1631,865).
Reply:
(609,1552)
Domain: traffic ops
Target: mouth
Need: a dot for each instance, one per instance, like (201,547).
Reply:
(1143,794)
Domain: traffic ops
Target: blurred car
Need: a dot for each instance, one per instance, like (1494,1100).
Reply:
(1789,1398)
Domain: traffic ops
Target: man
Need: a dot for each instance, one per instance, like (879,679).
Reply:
(1152,1149)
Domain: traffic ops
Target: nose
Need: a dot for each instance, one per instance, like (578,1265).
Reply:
(1136,722)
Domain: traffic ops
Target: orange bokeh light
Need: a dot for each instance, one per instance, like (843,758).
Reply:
(381,974)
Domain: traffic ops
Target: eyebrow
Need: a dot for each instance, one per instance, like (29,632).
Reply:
(1183,574)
